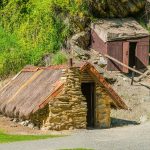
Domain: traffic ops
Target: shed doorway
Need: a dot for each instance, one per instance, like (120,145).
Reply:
(88,90)
(132,54)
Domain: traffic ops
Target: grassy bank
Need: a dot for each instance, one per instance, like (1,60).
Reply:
(7,138)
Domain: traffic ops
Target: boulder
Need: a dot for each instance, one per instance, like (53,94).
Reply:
(115,8)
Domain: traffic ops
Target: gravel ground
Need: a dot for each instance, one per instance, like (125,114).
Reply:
(121,138)
(136,96)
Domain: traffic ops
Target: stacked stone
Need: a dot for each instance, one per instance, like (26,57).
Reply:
(102,108)
(39,118)
(68,111)
(79,106)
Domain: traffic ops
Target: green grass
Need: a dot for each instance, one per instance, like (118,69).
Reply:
(59,58)
(77,149)
(7,138)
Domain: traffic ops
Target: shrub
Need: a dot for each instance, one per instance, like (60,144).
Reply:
(59,58)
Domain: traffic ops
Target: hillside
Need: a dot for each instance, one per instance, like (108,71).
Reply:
(33,29)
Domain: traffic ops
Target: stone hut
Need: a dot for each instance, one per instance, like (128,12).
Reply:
(123,39)
(60,97)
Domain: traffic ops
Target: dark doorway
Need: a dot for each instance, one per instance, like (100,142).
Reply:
(132,57)
(88,92)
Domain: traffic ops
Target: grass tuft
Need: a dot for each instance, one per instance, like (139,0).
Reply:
(7,138)
(59,58)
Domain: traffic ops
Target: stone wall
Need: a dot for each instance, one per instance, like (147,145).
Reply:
(69,109)
(40,117)
(102,117)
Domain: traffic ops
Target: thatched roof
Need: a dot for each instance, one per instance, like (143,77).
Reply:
(119,29)
(34,87)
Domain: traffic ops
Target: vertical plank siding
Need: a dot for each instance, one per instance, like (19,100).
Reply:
(142,53)
(120,51)
(125,56)
(97,43)
(115,50)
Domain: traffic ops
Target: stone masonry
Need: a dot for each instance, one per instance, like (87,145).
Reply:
(69,109)
(102,119)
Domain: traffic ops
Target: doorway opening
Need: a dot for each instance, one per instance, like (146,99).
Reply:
(132,52)
(88,90)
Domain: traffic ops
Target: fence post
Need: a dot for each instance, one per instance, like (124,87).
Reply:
(133,75)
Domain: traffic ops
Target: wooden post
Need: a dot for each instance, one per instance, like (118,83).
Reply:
(70,62)
(136,71)
(133,75)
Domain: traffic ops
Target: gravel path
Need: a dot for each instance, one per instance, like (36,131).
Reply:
(121,138)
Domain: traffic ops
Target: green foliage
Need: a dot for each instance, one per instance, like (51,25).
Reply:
(59,58)
(31,28)
(5,138)
(39,22)
(10,53)
(7,41)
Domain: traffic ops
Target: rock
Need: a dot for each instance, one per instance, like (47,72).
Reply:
(108,8)
(45,128)
(71,128)
(81,39)
(35,127)
(79,43)
(46,60)
(102,62)
(15,120)
(24,123)
(119,84)
(80,53)
(56,110)
(31,125)
(11,119)
(78,23)
(143,119)
(125,79)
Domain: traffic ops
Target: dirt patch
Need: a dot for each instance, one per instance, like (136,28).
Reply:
(136,96)
(11,127)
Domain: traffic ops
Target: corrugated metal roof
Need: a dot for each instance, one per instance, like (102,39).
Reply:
(34,87)
(28,90)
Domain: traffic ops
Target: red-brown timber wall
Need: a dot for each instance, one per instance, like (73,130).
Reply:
(97,43)
(115,50)
(142,53)
(120,50)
